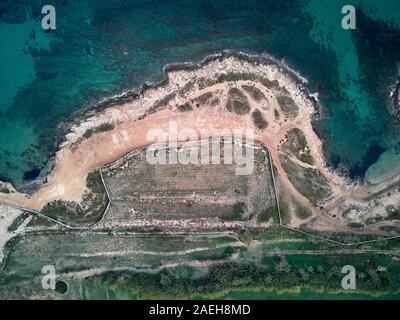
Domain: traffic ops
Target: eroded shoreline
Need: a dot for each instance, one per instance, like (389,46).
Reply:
(85,148)
(86,112)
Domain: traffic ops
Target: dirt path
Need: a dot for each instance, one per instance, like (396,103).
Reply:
(77,158)
(68,180)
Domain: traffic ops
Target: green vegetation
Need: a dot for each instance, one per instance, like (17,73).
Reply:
(94,182)
(233,77)
(227,77)
(204,98)
(390,228)
(101,128)
(4,189)
(189,86)
(302,212)
(185,107)
(262,269)
(289,108)
(310,182)
(355,225)
(394,215)
(259,120)
(163,102)
(237,102)
(214,254)
(276,114)
(285,212)
(18,221)
(254,92)
(38,221)
(61,210)
(61,287)
(266,215)
(237,212)
(321,274)
(373,220)
(296,144)
(88,212)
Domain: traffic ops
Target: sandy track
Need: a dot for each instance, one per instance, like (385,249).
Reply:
(78,157)
(68,180)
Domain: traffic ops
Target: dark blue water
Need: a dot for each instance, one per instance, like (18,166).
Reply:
(102,47)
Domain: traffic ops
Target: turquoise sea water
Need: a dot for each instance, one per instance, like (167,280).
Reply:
(102,47)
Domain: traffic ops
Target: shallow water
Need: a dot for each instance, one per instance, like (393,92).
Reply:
(102,47)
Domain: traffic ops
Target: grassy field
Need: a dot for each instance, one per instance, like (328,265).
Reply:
(281,277)
(273,263)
